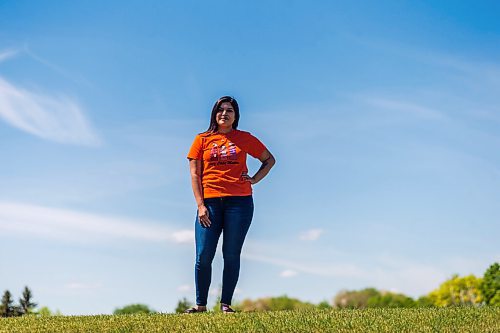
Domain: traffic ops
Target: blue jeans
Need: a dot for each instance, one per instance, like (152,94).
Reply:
(230,216)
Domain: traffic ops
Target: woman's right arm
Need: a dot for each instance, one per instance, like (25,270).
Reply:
(195,169)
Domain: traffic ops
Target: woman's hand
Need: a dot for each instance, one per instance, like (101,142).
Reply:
(203,216)
(268,161)
(247,178)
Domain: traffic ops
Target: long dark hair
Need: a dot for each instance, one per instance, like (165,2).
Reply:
(213,122)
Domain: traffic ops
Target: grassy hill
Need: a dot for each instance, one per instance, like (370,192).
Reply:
(459,319)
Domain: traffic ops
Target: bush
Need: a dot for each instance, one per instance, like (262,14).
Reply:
(354,299)
(273,304)
(490,287)
(133,309)
(458,291)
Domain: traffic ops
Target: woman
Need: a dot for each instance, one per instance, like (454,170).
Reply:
(223,192)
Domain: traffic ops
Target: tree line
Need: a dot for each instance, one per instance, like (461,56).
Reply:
(25,306)
(456,291)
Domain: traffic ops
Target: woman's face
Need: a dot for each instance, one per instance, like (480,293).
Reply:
(225,115)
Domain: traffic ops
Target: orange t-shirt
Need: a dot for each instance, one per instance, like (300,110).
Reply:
(224,158)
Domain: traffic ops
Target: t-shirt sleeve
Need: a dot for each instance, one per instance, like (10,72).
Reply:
(196,150)
(254,147)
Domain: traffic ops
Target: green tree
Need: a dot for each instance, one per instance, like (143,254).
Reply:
(371,298)
(26,301)
(490,287)
(390,300)
(44,311)
(354,298)
(17,311)
(133,309)
(6,307)
(287,303)
(458,291)
(273,304)
(324,305)
(183,305)
(424,302)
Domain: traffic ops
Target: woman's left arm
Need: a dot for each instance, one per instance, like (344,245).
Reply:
(268,162)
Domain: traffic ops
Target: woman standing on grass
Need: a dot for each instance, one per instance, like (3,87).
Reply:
(223,192)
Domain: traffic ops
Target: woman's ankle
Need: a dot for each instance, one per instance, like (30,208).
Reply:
(201,307)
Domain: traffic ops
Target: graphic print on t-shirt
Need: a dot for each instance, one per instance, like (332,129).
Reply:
(214,152)
(232,151)
(223,154)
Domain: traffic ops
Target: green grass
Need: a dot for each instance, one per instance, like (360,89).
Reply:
(467,319)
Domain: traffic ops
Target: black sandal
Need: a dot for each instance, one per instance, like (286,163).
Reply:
(194,310)
(226,308)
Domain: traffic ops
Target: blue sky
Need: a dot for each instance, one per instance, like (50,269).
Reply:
(383,116)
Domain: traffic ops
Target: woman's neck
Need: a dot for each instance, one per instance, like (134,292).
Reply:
(224,130)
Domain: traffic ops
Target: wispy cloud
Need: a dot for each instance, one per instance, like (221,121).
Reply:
(406,106)
(68,225)
(183,236)
(457,81)
(484,70)
(215,291)
(413,278)
(56,118)
(384,272)
(319,268)
(184,288)
(6,54)
(288,273)
(311,235)
(61,71)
